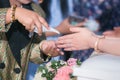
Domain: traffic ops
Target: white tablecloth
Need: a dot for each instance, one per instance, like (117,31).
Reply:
(101,67)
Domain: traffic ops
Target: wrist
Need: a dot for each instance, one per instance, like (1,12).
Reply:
(17,13)
(97,42)
(92,40)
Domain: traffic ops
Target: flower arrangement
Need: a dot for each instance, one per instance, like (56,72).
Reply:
(57,70)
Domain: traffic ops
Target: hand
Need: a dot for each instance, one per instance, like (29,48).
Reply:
(49,48)
(113,33)
(29,19)
(81,39)
(64,26)
(40,1)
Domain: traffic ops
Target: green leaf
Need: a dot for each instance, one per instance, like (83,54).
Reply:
(78,62)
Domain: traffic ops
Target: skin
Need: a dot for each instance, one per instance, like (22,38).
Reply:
(63,28)
(28,18)
(49,48)
(113,33)
(82,39)
(40,1)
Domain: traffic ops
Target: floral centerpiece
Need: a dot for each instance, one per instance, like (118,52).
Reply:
(57,70)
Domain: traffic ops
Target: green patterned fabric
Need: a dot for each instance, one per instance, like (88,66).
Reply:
(9,68)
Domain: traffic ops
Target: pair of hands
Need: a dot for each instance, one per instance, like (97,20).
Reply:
(79,39)
(49,48)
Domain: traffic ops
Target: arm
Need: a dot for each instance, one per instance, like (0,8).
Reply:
(63,28)
(82,38)
(110,45)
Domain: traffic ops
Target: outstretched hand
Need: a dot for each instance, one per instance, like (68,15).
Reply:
(81,39)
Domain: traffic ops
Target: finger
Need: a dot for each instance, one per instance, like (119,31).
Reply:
(69,49)
(62,46)
(65,41)
(60,51)
(75,29)
(28,28)
(117,28)
(32,28)
(107,32)
(65,37)
(39,26)
(44,48)
(56,53)
(44,22)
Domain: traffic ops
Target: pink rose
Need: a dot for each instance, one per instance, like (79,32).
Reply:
(63,73)
(71,61)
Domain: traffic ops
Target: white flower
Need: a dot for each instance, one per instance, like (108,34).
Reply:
(43,71)
(38,76)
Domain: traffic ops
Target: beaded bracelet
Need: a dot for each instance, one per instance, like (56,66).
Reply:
(97,42)
(13,9)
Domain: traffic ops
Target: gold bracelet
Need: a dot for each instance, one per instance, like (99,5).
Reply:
(13,9)
(97,42)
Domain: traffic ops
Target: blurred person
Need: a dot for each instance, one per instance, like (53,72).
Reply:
(15,40)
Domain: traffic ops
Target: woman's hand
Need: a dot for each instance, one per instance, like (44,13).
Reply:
(81,39)
(49,48)
(29,19)
(113,33)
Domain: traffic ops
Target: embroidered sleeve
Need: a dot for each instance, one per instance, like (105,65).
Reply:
(3,27)
(36,55)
